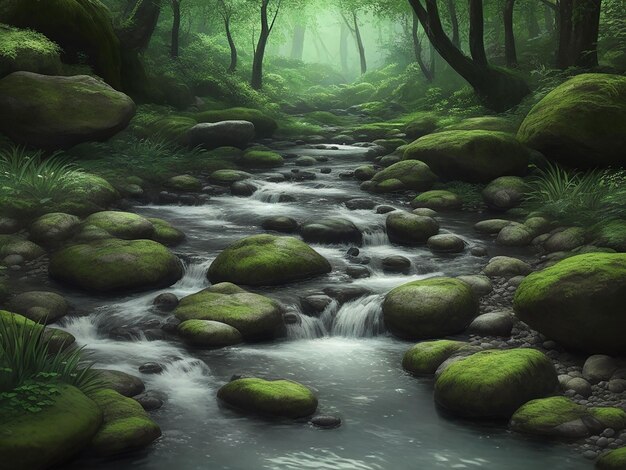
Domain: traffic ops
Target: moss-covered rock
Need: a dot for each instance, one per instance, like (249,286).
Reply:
(80,27)
(581,123)
(281,398)
(87,193)
(611,234)
(505,192)
(228,177)
(505,266)
(51,436)
(15,245)
(184,183)
(264,125)
(209,334)
(54,112)
(429,308)
(123,383)
(39,306)
(113,265)
(254,316)
(22,49)
(515,234)
(261,159)
(494,383)
(165,233)
(561,417)
(405,228)
(212,135)
(406,175)
(331,230)
(578,302)
(421,126)
(365,172)
(484,123)
(565,240)
(264,260)
(53,228)
(612,460)
(126,426)
(438,200)
(474,156)
(424,358)
(491,226)
(125,225)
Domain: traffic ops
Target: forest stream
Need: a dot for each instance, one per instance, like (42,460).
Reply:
(345,354)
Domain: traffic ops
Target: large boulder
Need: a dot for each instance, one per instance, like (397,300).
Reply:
(429,308)
(405,228)
(255,316)
(126,425)
(114,265)
(58,112)
(331,230)
(561,417)
(51,436)
(402,176)
(475,156)
(578,302)
(581,123)
(265,260)
(282,398)
(495,383)
(82,28)
(221,134)
(39,306)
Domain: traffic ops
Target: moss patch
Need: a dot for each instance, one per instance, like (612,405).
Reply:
(405,175)
(264,125)
(22,49)
(261,159)
(424,358)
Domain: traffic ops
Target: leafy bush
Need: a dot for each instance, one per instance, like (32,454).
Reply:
(28,174)
(29,371)
(578,198)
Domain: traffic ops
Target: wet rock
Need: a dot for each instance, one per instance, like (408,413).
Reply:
(360,204)
(242,188)
(481,285)
(396,264)
(171,325)
(150,400)
(405,228)
(326,170)
(599,367)
(184,183)
(439,200)
(54,228)
(504,193)
(491,226)
(479,251)
(425,212)
(280,224)
(365,172)
(492,324)
(165,302)
(39,306)
(505,266)
(343,294)
(151,368)
(209,334)
(565,240)
(580,386)
(402,176)
(331,230)
(515,234)
(291,318)
(326,421)
(425,357)
(384,209)
(358,272)
(221,134)
(9,225)
(305,161)
(123,383)
(446,243)
(315,304)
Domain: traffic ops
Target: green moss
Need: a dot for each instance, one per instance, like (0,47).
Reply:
(325,118)
(411,174)
(474,156)
(612,460)
(493,384)
(227,177)
(76,25)
(165,233)
(390,145)
(15,245)
(409,229)
(424,358)
(53,435)
(124,225)
(264,125)
(610,417)
(557,301)
(283,398)
(267,260)
(206,333)
(421,126)
(582,122)
(110,265)
(255,316)
(485,123)
(611,234)
(126,425)
(377,130)
(22,49)
(261,159)
(429,308)
(158,122)
(541,416)
(54,227)
(438,199)
(184,183)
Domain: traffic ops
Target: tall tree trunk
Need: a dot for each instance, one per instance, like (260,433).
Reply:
(563,55)
(231,44)
(256,81)
(343,47)
(476,32)
(297,46)
(454,22)
(175,29)
(359,43)
(433,60)
(585,27)
(499,90)
(509,36)
(134,35)
(417,49)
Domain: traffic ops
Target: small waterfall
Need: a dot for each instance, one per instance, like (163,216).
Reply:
(267,195)
(375,237)
(194,277)
(360,318)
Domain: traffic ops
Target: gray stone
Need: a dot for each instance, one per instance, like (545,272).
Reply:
(221,134)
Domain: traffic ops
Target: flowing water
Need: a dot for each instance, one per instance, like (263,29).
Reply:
(389,418)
